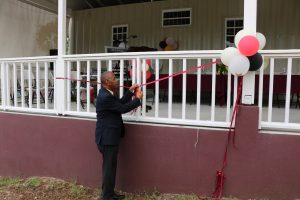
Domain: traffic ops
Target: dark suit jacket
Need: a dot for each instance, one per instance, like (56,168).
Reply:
(109,116)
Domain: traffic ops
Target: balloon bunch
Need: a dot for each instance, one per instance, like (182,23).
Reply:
(245,58)
(148,72)
(168,44)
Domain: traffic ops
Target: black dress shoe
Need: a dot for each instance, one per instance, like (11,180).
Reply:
(119,196)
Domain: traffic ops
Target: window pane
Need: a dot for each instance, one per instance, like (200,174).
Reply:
(186,13)
(230,23)
(124,37)
(120,30)
(120,37)
(239,23)
(230,31)
(124,29)
(230,39)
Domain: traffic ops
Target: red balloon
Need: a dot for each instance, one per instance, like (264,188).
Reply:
(148,75)
(248,45)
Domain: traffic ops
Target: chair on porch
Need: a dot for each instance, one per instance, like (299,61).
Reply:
(82,88)
(33,87)
(51,86)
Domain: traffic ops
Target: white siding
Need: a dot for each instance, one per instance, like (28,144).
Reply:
(277,19)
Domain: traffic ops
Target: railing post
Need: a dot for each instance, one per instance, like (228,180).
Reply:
(60,63)
(3,85)
(250,10)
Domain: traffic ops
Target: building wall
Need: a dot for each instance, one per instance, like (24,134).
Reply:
(277,20)
(25,30)
(169,159)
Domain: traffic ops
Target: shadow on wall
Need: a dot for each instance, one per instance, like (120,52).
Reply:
(46,36)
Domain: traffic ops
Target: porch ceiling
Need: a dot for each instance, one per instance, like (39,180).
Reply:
(88,4)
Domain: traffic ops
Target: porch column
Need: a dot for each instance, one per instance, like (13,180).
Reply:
(60,64)
(250,13)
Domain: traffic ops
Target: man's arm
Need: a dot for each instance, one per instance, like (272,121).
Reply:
(126,97)
(129,93)
(113,104)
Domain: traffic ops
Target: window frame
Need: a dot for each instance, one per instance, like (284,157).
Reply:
(234,27)
(176,10)
(119,26)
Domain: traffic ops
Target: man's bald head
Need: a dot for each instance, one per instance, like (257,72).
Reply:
(108,80)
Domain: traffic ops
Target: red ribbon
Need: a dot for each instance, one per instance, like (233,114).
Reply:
(220,176)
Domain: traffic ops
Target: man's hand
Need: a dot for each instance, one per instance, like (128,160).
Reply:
(133,87)
(138,93)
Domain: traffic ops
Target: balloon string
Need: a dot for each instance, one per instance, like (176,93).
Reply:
(151,82)
(220,176)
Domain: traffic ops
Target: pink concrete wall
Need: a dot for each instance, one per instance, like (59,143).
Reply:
(164,158)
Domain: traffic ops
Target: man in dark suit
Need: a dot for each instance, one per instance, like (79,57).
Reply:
(110,127)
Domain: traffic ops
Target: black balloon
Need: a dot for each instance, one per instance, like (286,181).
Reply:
(256,61)
(163,44)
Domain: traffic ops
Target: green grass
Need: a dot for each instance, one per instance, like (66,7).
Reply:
(77,191)
(9,181)
(33,182)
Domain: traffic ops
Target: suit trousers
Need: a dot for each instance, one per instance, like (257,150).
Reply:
(109,169)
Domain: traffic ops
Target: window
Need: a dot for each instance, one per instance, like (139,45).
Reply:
(232,26)
(178,17)
(119,34)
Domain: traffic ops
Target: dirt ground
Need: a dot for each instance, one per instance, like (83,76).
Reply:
(44,188)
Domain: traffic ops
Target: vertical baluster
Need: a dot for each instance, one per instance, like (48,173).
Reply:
(46,84)
(121,78)
(156,87)
(170,97)
(199,74)
(8,80)
(78,86)
(138,81)
(110,65)
(183,89)
(134,71)
(30,84)
(22,86)
(213,91)
(69,81)
(37,78)
(270,106)
(144,87)
(288,91)
(98,75)
(15,81)
(88,86)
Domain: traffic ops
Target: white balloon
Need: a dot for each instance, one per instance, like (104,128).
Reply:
(240,35)
(262,40)
(239,65)
(227,54)
(170,41)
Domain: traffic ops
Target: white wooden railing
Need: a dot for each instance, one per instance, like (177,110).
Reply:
(286,63)
(77,95)
(26,84)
